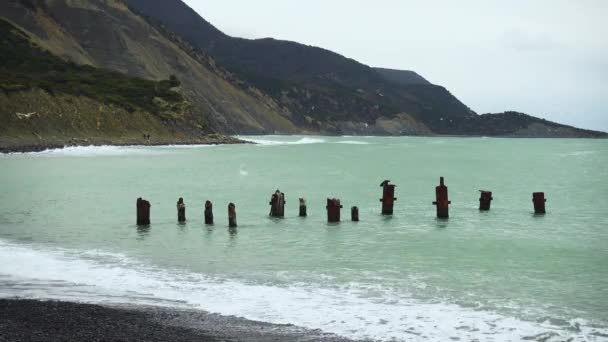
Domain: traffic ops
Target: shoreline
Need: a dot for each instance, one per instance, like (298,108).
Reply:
(37,320)
(212,139)
(218,139)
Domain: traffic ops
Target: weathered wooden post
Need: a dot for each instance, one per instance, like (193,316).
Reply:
(302,207)
(333,210)
(232,215)
(143,212)
(388,197)
(277,204)
(441,200)
(181,210)
(539,202)
(485,200)
(354,214)
(208,213)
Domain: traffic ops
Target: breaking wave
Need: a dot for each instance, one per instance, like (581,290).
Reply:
(268,141)
(108,150)
(94,276)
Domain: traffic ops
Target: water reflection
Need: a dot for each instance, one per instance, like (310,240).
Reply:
(442,222)
(181,227)
(143,232)
(232,233)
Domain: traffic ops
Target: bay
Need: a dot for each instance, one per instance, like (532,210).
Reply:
(67,231)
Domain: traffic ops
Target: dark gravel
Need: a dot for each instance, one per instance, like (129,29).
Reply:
(31,320)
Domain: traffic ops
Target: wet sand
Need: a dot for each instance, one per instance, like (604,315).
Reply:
(32,320)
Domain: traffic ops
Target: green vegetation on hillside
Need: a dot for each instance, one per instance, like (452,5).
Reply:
(25,66)
(402,77)
(308,80)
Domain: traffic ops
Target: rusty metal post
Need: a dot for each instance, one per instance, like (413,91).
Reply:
(181,210)
(333,210)
(208,213)
(277,204)
(232,215)
(302,207)
(485,200)
(354,214)
(388,197)
(441,200)
(539,202)
(143,212)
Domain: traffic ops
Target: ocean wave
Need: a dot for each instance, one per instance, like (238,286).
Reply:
(285,140)
(100,277)
(353,142)
(94,151)
(186,147)
(274,142)
(577,153)
(107,150)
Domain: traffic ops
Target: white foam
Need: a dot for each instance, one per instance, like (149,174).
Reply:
(243,170)
(577,153)
(107,150)
(186,147)
(348,310)
(269,141)
(89,151)
(353,142)
(93,151)
(287,140)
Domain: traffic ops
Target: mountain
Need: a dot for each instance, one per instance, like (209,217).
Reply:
(106,34)
(332,94)
(320,87)
(402,77)
(47,102)
(112,71)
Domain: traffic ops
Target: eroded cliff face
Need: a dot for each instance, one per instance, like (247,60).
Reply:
(333,94)
(35,120)
(106,34)
(46,102)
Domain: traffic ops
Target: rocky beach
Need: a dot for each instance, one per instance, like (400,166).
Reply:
(32,320)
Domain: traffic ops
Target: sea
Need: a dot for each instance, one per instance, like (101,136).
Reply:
(68,232)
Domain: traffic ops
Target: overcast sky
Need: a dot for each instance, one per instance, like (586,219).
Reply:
(548,58)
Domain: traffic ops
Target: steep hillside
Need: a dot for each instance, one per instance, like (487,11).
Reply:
(314,83)
(402,77)
(106,34)
(48,102)
(332,94)
(514,124)
(109,62)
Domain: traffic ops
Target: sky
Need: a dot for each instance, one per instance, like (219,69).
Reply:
(547,58)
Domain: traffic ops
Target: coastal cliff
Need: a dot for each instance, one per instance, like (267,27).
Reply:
(155,72)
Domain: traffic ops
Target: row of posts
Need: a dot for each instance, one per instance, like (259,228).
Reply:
(277,206)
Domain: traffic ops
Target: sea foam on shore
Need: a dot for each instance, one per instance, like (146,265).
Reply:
(112,278)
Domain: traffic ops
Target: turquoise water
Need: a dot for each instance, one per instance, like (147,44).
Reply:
(67,231)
